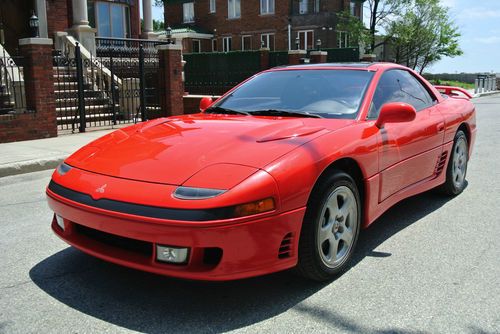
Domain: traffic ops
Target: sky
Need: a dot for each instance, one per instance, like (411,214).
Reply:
(479,24)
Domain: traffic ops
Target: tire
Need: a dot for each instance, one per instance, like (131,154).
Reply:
(457,166)
(330,228)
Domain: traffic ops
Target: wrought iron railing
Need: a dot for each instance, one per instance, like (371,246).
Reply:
(12,93)
(125,46)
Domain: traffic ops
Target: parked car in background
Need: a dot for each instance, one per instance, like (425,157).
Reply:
(282,171)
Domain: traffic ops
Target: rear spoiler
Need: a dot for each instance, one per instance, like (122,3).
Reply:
(454,91)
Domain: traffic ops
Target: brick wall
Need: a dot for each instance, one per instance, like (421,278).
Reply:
(254,24)
(39,88)
(58,16)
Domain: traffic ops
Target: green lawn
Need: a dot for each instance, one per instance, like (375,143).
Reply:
(452,83)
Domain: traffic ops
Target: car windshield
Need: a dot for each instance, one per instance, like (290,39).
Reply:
(299,93)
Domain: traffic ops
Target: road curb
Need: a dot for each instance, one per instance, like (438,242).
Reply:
(487,93)
(29,166)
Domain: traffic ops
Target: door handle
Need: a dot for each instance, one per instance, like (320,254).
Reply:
(440,127)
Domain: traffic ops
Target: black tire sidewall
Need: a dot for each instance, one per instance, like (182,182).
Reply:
(450,184)
(315,268)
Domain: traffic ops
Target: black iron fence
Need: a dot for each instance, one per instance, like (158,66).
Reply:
(215,73)
(119,85)
(12,93)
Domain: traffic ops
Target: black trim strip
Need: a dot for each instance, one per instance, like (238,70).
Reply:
(143,210)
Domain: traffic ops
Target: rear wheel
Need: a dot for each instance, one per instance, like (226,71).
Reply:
(331,227)
(457,166)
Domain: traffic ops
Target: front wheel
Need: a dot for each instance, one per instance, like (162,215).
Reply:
(331,227)
(457,166)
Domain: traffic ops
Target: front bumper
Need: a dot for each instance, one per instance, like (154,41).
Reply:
(248,247)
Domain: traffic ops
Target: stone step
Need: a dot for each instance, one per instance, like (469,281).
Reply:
(89,118)
(73,101)
(88,109)
(73,93)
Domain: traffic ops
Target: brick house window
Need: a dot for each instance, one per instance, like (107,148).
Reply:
(303,6)
(196,46)
(188,12)
(343,40)
(246,42)
(267,6)
(226,44)
(306,38)
(352,8)
(212,6)
(112,19)
(233,9)
(267,41)
(316,6)
(214,45)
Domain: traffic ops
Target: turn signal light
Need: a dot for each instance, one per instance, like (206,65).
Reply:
(254,208)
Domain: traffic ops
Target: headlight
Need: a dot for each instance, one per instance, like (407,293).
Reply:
(196,193)
(63,168)
(254,208)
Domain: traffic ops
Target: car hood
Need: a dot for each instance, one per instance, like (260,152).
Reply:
(171,150)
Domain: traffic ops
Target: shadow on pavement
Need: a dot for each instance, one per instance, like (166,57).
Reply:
(155,304)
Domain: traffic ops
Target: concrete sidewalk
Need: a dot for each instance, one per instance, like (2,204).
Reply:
(35,155)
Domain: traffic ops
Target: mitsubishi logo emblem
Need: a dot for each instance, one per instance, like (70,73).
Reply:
(101,188)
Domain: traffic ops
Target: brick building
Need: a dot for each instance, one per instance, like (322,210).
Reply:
(226,25)
(83,19)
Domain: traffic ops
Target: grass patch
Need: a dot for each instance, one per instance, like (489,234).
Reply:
(460,84)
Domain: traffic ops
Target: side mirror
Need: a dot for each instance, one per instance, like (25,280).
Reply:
(205,103)
(395,112)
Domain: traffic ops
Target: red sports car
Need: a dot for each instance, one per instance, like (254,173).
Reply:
(282,171)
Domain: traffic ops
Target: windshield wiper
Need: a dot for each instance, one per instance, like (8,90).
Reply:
(220,110)
(275,112)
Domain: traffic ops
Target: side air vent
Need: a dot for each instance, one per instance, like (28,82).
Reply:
(286,247)
(441,163)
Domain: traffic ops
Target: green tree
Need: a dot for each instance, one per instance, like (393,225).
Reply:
(381,12)
(423,34)
(358,34)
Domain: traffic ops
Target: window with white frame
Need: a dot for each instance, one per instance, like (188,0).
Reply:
(267,41)
(188,12)
(303,6)
(226,44)
(112,19)
(233,9)
(343,39)
(352,8)
(267,6)
(306,39)
(246,42)
(212,6)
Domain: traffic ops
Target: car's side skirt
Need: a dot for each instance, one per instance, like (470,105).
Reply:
(373,209)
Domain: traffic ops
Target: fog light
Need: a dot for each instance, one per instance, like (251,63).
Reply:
(171,254)
(60,221)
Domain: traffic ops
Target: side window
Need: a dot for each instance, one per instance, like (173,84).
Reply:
(399,86)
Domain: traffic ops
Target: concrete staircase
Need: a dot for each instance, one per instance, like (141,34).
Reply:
(98,104)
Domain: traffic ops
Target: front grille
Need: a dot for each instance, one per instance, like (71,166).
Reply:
(131,245)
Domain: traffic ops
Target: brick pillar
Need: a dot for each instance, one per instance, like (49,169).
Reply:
(318,57)
(294,56)
(171,86)
(39,83)
(264,58)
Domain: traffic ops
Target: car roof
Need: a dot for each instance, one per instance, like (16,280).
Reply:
(369,66)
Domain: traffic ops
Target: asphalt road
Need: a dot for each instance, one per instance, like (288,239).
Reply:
(429,265)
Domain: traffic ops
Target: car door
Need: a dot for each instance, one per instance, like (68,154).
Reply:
(409,152)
